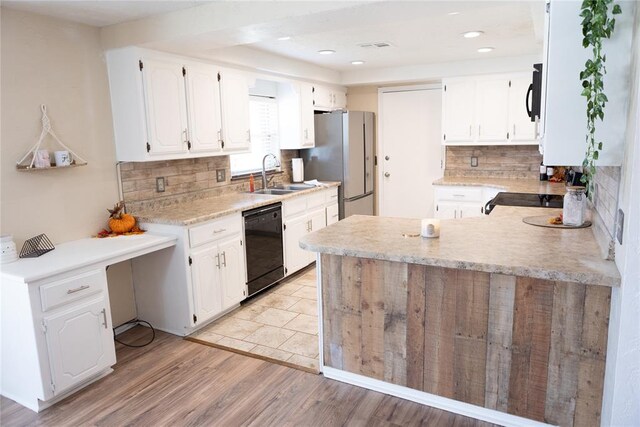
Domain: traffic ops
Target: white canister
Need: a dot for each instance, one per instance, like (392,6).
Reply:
(8,249)
(574,206)
(298,170)
(62,158)
(430,227)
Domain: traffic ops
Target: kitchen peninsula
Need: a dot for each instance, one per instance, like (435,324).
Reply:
(494,313)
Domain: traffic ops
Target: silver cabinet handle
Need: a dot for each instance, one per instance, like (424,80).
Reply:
(219,230)
(455,213)
(224,259)
(218,260)
(387,174)
(104,318)
(470,130)
(458,195)
(514,130)
(249,135)
(335,216)
(186,137)
(479,133)
(219,135)
(306,134)
(81,288)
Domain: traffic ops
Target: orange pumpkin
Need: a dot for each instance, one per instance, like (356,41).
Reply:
(120,222)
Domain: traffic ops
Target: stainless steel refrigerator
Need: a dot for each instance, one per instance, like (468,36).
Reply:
(344,152)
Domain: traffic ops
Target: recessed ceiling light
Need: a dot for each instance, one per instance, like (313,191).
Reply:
(284,38)
(453,13)
(472,34)
(485,49)
(357,62)
(326,52)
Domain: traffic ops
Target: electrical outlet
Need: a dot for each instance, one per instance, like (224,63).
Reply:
(474,162)
(220,175)
(160,184)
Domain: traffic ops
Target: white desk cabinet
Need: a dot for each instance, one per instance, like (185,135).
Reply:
(57,335)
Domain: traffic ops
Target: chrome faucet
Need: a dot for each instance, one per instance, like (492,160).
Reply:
(264,170)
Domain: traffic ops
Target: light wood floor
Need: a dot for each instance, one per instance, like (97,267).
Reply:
(176,382)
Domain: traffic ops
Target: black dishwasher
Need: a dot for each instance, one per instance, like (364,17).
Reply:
(263,243)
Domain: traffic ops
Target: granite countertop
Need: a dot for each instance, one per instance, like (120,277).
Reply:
(511,185)
(496,243)
(205,209)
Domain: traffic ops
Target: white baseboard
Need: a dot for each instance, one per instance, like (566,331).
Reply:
(446,404)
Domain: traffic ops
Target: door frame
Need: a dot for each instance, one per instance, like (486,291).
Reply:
(380,140)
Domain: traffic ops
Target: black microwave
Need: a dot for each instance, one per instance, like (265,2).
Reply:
(534,94)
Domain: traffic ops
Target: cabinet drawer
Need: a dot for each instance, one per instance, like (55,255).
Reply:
(331,196)
(460,193)
(64,291)
(316,200)
(294,206)
(214,230)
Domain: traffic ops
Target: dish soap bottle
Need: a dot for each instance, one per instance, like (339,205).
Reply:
(252,184)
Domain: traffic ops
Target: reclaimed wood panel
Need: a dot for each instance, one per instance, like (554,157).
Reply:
(395,323)
(499,335)
(529,347)
(416,298)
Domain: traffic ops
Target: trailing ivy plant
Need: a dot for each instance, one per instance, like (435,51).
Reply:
(597,24)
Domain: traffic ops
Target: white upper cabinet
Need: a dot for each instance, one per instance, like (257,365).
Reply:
(328,99)
(235,111)
(295,114)
(205,118)
(492,110)
(521,128)
(164,95)
(485,110)
(563,115)
(458,105)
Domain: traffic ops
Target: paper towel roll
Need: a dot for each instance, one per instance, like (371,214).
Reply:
(298,170)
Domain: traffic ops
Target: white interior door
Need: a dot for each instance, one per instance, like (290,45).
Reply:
(410,152)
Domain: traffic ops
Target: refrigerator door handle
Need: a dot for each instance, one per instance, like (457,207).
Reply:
(362,196)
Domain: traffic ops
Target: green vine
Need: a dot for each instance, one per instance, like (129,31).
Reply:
(597,24)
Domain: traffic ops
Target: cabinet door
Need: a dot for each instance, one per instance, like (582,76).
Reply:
(80,343)
(205,277)
(446,210)
(296,257)
(332,214)
(166,106)
(232,272)
(492,110)
(323,98)
(339,100)
(318,221)
(521,128)
(306,115)
(234,88)
(458,105)
(470,210)
(205,119)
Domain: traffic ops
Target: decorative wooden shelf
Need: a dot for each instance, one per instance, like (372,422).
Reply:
(27,168)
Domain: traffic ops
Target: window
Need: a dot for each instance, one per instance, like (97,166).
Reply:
(263,114)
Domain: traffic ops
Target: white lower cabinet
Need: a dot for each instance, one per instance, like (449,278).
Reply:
(456,202)
(232,275)
(303,215)
(205,277)
(333,214)
(80,343)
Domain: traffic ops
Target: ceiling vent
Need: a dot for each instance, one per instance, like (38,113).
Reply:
(376,45)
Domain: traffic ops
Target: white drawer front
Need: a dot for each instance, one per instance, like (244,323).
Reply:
(215,230)
(459,193)
(294,206)
(64,291)
(315,200)
(332,214)
(331,196)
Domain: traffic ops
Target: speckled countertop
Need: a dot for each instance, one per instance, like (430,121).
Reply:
(496,243)
(201,210)
(511,185)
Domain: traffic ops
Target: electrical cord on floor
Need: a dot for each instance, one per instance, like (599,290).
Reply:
(137,322)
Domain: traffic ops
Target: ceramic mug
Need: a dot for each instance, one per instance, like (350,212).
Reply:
(62,158)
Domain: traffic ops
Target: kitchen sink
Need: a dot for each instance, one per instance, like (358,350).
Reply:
(294,187)
(274,191)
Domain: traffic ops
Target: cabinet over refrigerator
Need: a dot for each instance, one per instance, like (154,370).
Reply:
(344,152)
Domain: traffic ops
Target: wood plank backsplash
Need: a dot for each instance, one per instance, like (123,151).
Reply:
(530,347)
(494,161)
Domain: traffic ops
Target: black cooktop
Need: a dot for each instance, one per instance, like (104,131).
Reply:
(525,199)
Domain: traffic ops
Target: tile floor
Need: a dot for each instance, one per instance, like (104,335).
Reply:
(281,324)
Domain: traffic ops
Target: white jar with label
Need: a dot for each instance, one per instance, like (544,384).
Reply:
(575,206)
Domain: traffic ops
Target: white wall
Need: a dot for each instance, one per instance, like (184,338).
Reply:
(59,64)
(621,406)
